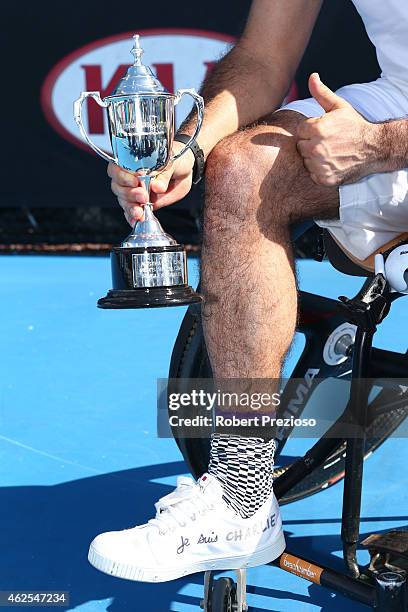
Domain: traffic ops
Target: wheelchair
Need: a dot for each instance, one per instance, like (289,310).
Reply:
(338,345)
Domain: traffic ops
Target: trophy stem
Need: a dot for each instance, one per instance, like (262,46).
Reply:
(148,207)
(148,216)
(148,212)
(146,180)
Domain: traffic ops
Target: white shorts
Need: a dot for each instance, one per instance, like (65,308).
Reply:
(373,210)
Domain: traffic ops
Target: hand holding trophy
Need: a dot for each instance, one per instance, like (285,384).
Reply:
(149,268)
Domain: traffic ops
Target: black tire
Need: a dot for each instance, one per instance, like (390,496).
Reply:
(223,596)
(190,360)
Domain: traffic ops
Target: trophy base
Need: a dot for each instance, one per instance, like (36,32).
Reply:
(149,297)
(130,268)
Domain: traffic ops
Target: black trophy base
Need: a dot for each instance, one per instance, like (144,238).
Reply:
(124,294)
(151,297)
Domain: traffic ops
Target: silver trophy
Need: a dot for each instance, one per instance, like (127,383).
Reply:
(149,268)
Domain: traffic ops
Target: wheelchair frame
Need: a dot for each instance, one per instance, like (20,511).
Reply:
(366,310)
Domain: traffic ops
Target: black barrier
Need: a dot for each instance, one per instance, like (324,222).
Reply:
(44,165)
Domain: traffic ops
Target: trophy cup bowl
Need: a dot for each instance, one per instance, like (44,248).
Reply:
(149,268)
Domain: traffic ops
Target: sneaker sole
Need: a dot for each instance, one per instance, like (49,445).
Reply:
(159,574)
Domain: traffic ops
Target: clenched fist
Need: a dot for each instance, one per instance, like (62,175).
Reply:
(168,187)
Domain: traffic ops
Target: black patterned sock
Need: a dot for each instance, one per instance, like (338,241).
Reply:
(244,467)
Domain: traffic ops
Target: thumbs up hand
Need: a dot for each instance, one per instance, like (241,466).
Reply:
(340,146)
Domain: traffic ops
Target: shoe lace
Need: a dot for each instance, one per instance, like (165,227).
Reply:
(183,505)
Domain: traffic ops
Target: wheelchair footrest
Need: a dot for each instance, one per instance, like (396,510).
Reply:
(395,541)
(387,550)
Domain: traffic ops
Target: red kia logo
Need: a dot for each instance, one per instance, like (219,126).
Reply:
(181,58)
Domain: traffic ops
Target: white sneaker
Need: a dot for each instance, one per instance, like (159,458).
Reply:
(194,531)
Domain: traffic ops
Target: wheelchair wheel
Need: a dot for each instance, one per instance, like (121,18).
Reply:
(223,596)
(190,360)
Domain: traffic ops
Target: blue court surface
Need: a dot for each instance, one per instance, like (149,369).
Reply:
(79,452)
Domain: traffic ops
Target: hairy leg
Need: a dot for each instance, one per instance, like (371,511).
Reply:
(256,187)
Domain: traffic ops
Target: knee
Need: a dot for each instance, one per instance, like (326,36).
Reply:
(231,171)
(225,207)
(227,161)
(247,176)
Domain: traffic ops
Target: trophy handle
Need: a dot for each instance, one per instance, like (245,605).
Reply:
(78,118)
(199,102)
